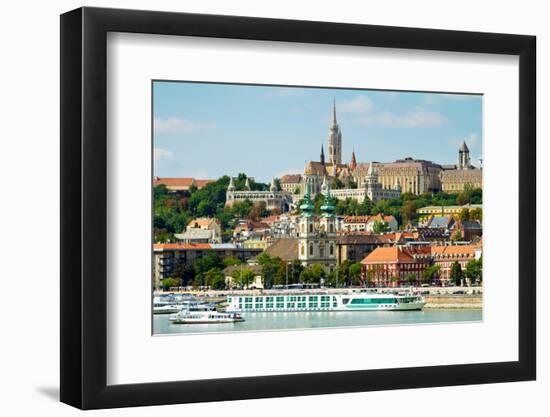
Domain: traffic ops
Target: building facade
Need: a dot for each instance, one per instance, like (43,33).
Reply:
(291,184)
(425,213)
(404,265)
(394,266)
(173,260)
(273,199)
(317,235)
(181,184)
(414,176)
(463,176)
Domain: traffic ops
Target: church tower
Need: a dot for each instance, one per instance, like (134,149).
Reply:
(334,140)
(317,237)
(353,163)
(464,157)
(306,227)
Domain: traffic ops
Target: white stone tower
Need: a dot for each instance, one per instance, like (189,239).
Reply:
(334,139)
(464,157)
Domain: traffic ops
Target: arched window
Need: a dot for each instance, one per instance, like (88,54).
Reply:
(310,250)
(321,252)
(331,249)
(331,228)
(303,249)
(311,228)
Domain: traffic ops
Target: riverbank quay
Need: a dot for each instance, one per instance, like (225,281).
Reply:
(436,297)
(457,301)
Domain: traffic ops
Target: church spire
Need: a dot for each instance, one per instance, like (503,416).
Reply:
(322,155)
(353,163)
(334,142)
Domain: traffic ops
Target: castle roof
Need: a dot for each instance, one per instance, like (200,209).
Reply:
(290,179)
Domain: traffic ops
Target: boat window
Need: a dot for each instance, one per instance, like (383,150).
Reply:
(356,301)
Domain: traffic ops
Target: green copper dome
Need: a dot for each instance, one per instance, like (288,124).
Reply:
(307,205)
(328,206)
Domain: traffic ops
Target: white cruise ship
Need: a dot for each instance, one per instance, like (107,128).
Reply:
(359,301)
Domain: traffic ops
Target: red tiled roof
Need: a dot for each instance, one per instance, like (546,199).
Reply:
(391,254)
(453,250)
(174,182)
(201,222)
(356,219)
(270,219)
(291,179)
(185,182)
(202,183)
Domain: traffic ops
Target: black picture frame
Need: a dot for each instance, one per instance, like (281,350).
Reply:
(84,207)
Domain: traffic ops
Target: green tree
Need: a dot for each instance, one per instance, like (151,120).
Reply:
(476,214)
(430,273)
(380,226)
(313,274)
(230,261)
(337,184)
(241,209)
(464,214)
(456,274)
(473,271)
(214,279)
(410,279)
(242,278)
(168,283)
(204,264)
(355,273)
(457,236)
(408,211)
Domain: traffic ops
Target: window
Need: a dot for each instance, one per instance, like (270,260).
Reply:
(310,250)
(331,229)
(310,228)
(302,249)
(331,249)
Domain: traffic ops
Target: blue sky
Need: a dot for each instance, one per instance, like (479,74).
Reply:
(207,130)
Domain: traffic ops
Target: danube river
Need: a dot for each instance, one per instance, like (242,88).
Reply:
(320,319)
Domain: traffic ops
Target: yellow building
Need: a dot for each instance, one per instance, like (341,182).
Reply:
(425,213)
(256,244)
(455,180)
(414,176)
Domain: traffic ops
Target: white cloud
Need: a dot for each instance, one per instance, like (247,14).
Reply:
(160,153)
(357,104)
(179,125)
(418,117)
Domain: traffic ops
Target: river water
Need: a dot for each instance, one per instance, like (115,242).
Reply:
(318,319)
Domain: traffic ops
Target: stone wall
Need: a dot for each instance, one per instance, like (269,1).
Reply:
(454,301)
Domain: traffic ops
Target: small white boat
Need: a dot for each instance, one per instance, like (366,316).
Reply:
(186,316)
(166,308)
